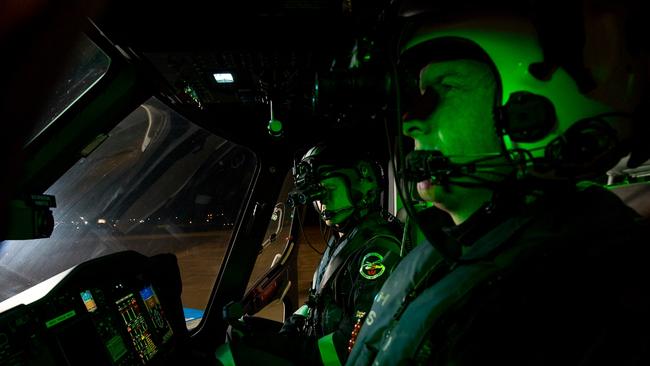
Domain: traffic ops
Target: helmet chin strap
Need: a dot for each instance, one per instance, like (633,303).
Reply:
(352,220)
(357,208)
(330,214)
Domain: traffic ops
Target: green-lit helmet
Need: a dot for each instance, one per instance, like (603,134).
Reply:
(570,117)
(360,174)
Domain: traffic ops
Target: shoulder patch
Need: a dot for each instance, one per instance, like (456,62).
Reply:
(372,266)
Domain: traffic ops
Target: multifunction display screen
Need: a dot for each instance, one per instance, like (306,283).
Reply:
(155,311)
(137,327)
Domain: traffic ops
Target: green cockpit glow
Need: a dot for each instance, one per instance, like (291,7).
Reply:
(274,127)
(52,322)
(190,92)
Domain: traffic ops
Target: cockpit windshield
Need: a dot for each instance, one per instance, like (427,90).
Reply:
(157,184)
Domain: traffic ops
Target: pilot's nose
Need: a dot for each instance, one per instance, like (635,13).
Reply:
(415,128)
(417,114)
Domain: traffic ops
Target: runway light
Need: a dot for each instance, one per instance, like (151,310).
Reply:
(224,78)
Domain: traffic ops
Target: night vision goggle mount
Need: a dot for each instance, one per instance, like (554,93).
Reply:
(307,183)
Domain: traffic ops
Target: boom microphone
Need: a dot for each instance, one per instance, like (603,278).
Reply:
(431,164)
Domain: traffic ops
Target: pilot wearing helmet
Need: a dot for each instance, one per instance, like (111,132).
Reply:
(344,187)
(539,267)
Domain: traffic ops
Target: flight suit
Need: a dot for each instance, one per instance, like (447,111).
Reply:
(561,282)
(349,275)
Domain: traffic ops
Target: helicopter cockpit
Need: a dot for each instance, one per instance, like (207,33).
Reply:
(162,131)
(148,168)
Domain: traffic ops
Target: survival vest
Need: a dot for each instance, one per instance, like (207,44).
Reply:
(325,312)
(404,311)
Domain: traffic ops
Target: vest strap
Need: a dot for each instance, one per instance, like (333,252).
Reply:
(224,355)
(328,351)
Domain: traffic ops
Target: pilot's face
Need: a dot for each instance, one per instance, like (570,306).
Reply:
(461,126)
(336,205)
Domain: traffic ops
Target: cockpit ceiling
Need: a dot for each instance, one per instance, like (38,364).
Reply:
(258,75)
(272,48)
(195,26)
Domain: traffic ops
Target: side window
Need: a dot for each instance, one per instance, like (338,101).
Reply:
(285,264)
(276,249)
(157,184)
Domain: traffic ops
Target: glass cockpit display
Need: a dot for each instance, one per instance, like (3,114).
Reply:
(89,301)
(137,327)
(154,308)
(105,311)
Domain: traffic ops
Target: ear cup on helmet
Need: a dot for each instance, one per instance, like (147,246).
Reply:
(526,117)
(372,172)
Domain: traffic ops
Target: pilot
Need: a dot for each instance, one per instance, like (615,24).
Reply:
(344,186)
(540,267)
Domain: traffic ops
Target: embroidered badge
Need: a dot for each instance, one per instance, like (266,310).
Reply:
(372,266)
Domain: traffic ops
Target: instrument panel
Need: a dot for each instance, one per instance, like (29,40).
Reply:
(121,309)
